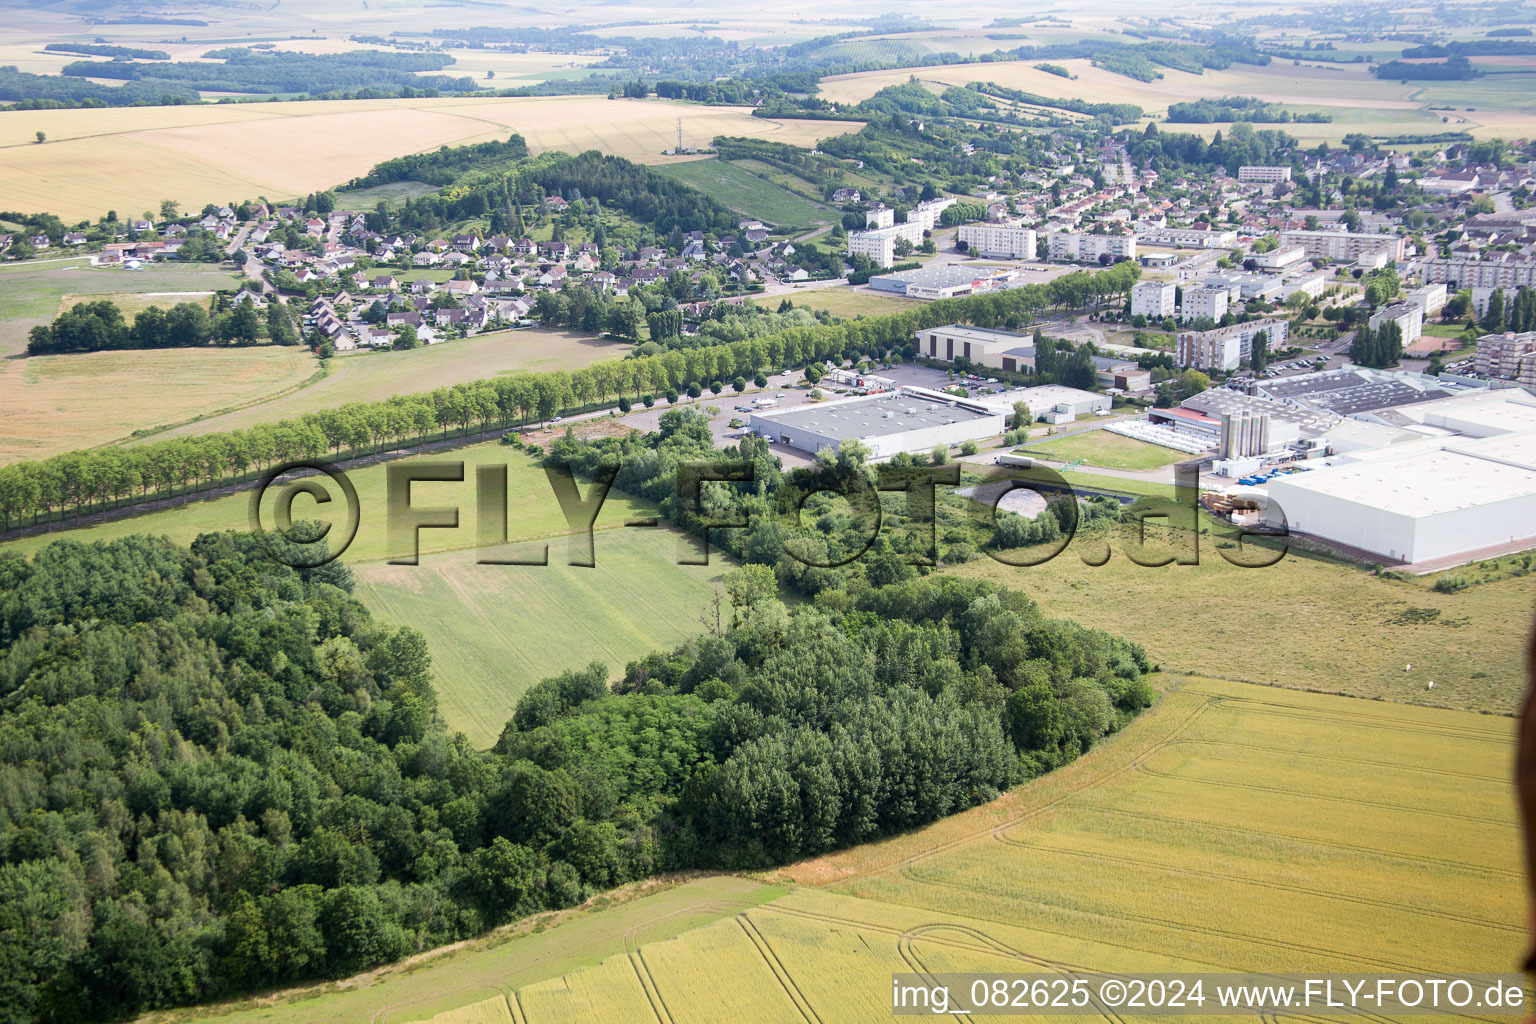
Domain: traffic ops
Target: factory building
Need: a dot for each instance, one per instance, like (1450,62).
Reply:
(984,346)
(1439,498)
(906,420)
(1243,435)
(946,281)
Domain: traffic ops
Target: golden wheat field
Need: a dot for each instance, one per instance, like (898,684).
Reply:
(1232,827)
(53,404)
(129,159)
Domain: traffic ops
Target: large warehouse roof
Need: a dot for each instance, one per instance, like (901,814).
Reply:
(1423,485)
(867,417)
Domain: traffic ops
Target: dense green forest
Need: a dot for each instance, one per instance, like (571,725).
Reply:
(219,774)
(1236,108)
(444,165)
(273,71)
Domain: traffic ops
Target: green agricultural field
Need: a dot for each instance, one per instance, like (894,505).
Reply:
(1102,448)
(749,194)
(1232,827)
(495,630)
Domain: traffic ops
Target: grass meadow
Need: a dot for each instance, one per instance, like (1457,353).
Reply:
(1102,448)
(495,630)
(749,194)
(847,301)
(1230,828)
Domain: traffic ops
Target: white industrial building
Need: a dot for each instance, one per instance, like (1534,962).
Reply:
(984,346)
(1051,403)
(1439,498)
(1207,302)
(906,420)
(1188,238)
(1155,300)
(999,241)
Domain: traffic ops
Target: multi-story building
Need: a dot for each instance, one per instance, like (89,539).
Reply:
(1408,317)
(1199,302)
(1263,174)
(1075,245)
(1511,271)
(1283,258)
(1155,300)
(1430,298)
(1310,285)
(879,217)
(999,241)
(1341,245)
(1508,357)
(879,244)
(1225,348)
(1189,238)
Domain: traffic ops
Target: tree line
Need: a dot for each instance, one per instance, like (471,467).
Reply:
(36,491)
(100,326)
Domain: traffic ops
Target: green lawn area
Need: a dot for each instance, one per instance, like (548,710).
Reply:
(394,193)
(30,292)
(1101,448)
(747,193)
(495,630)
(847,301)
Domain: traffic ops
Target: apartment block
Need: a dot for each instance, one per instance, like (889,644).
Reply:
(1408,317)
(1211,302)
(1342,246)
(1508,357)
(999,241)
(1155,300)
(1263,174)
(1073,245)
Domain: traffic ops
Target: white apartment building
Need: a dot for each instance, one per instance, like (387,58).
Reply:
(880,244)
(1310,285)
(1430,298)
(1283,258)
(1263,174)
(1155,300)
(1408,317)
(879,217)
(999,241)
(1189,238)
(1075,245)
(1341,245)
(1211,302)
(1509,272)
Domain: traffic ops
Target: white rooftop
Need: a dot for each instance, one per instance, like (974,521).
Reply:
(1421,484)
